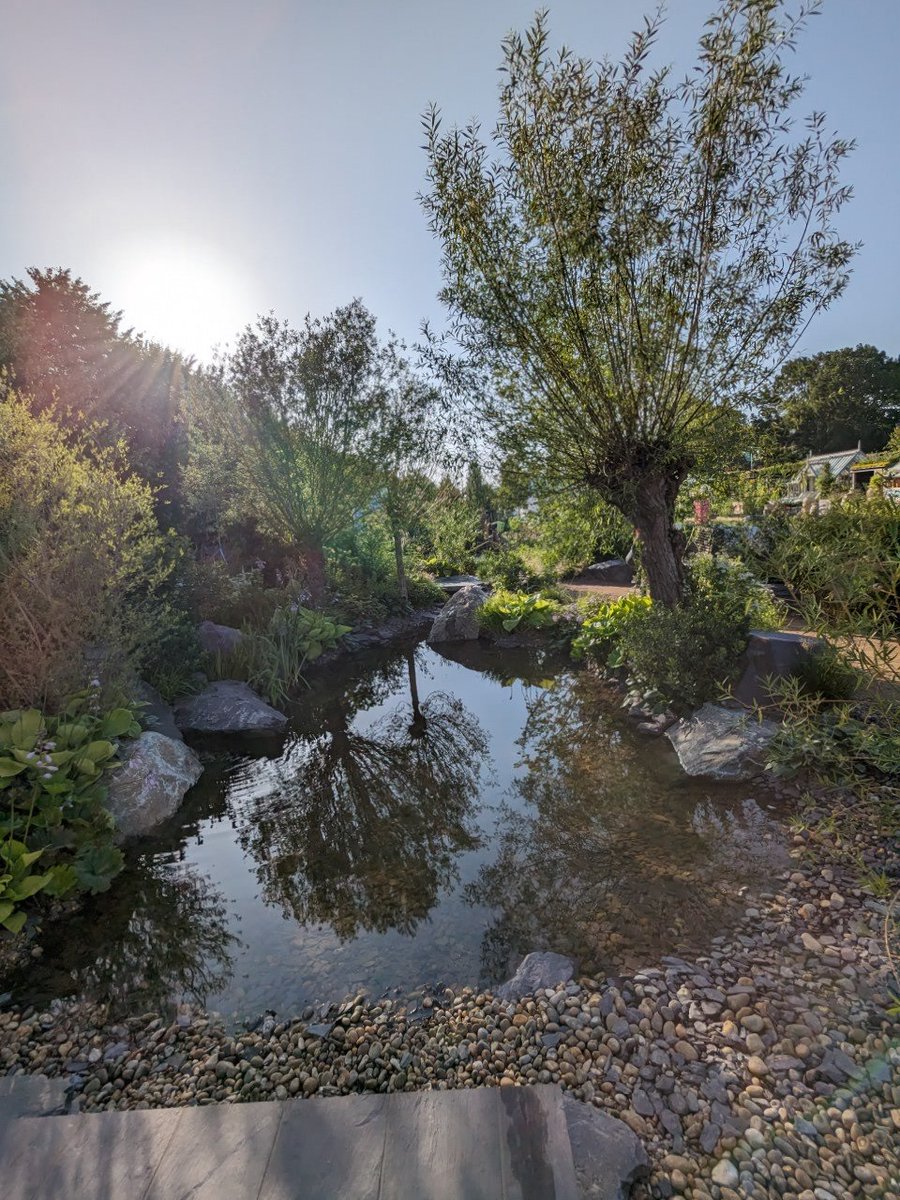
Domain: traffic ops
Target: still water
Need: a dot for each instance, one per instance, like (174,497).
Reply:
(429,817)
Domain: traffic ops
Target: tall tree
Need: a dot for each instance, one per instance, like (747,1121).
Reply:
(67,352)
(833,400)
(636,254)
(310,411)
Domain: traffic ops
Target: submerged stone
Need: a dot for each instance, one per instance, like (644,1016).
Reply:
(540,969)
(722,743)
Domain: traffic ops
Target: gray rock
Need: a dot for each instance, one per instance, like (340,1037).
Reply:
(771,655)
(149,787)
(227,706)
(540,969)
(153,712)
(721,743)
(608,1156)
(218,639)
(615,572)
(458,619)
(454,583)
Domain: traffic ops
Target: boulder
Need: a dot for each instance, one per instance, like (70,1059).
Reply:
(608,1157)
(150,785)
(615,572)
(771,655)
(458,619)
(540,969)
(153,712)
(218,639)
(227,706)
(455,583)
(721,743)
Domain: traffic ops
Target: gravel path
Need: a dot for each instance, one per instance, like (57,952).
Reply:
(769,1067)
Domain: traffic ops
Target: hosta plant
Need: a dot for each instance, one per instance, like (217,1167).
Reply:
(507,611)
(56,833)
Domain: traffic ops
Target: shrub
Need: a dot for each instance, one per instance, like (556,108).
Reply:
(686,654)
(272,660)
(56,834)
(825,675)
(87,582)
(507,569)
(505,611)
(231,599)
(733,584)
(605,623)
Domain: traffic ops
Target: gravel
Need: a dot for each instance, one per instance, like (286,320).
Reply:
(769,1067)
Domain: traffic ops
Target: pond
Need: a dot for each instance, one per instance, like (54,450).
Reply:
(429,817)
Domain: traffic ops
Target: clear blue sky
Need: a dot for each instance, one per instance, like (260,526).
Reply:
(199,161)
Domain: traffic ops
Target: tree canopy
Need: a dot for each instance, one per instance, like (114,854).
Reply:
(830,401)
(630,254)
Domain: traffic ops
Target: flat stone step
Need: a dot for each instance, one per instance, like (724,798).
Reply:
(466,1144)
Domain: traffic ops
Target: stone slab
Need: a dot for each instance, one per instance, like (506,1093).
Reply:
(218,1152)
(326,1149)
(535,1146)
(108,1156)
(443,1145)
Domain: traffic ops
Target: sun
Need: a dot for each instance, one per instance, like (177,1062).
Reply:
(185,295)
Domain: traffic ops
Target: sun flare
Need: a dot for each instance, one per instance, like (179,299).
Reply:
(186,296)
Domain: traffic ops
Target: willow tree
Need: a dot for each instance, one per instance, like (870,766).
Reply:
(309,411)
(630,254)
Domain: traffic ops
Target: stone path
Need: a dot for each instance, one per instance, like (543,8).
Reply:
(500,1143)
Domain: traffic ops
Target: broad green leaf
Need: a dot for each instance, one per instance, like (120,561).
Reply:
(117,723)
(15,922)
(9,767)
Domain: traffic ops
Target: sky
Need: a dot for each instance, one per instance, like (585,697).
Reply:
(201,161)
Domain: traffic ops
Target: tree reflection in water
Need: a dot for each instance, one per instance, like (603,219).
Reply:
(605,849)
(159,937)
(360,827)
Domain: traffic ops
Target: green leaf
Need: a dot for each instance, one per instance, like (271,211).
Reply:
(9,767)
(15,922)
(97,866)
(27,728)
(117,723)
(28,886)
(6,907)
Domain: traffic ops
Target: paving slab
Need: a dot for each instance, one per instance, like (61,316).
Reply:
(443,1145)
(534,1138)
(328,1149)
(107,1156)
(218,1152)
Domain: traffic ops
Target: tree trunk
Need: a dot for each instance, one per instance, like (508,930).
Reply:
(662,545)
(402,585)
(419,724)
(314,566)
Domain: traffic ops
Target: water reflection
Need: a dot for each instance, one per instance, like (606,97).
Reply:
(429,817)
(605,849)
(361,828)
(160,936)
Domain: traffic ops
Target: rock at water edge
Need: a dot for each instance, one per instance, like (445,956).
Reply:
(722,743)
(227,706)
(771,655)
(540,969)
(609,1157)
(458,619)
(148,788)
